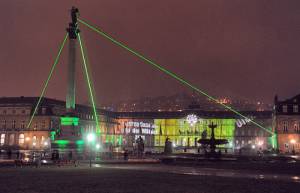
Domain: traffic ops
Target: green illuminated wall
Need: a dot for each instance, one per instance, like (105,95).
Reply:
(183,134)
(69,121)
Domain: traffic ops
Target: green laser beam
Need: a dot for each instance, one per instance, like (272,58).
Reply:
(159,67)
(89,83)
(48,79)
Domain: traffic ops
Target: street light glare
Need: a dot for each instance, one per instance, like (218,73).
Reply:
(90,137)
(98,146)
(293,141)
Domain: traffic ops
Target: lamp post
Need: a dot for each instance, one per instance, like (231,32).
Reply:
(90,139)
(293,141)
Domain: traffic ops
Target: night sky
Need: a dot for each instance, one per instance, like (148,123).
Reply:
(246,49)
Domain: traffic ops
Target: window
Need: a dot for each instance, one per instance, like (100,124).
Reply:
(3,124)
(35,126)
(285,126)
(43,110)
(284,108)
(21,139)
(42,139)
(2,139)
(261,133)
(296,127)
(295,109)
(13,125)
(255,132)
(22,124)
(11,139)
(43,124)
(249,132)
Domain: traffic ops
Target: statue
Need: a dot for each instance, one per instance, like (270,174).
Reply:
(212,142)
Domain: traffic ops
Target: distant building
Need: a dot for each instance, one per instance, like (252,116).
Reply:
(287,120)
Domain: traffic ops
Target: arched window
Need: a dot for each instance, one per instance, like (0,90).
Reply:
(21,139)
(2,139)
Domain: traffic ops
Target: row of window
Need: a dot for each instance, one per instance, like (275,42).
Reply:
(249,133)
(19,111)
(295,126)
(21,139)
(14,111)
(248,142)
(14,125)
(295,108)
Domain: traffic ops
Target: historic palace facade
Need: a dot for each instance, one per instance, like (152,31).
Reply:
(54,127)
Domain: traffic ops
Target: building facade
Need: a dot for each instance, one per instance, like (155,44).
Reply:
(53,127)
(287,120)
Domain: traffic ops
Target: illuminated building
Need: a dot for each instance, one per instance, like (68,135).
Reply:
(185,128)
(287,120)
(45,131)
(121,129)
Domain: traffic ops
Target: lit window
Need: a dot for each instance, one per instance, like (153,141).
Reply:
(2,139)
(284,108)
(295,109)
(21,139)
(42,139)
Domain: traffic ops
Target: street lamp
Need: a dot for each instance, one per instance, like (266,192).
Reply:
(90,139)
